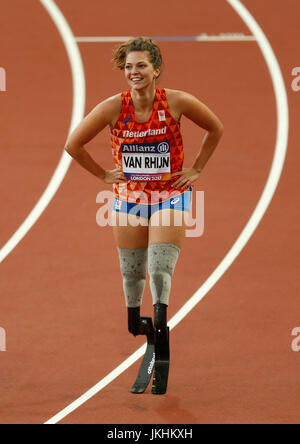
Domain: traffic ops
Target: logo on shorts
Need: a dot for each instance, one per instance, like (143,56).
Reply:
(118,204)
(175,201)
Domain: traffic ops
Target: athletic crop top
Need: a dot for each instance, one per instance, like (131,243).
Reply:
(148,152)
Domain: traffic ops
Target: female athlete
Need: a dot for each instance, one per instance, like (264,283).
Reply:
(150,186)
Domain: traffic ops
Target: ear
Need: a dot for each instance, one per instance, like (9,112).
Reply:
(157,72)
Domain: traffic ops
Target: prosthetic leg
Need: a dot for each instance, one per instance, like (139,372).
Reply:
(157,356)
(142,326)
(162,259)
(162,350)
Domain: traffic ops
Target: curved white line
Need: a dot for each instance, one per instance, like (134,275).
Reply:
(77,115)
(264,202)
(276,168)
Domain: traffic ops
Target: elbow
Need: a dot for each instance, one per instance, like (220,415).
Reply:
(216,130)
(71,150)
(68,148)
(220,129)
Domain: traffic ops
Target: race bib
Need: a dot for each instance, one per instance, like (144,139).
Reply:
(146,162)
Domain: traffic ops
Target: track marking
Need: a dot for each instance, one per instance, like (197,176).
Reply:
(264,202)
(222,37)
(77,115)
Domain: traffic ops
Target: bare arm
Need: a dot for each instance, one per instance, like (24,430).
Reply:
(189,106)
(102,115)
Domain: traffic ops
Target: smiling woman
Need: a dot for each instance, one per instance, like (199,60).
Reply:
(149,183)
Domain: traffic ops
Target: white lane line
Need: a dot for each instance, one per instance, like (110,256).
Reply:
(264,202)
(77,115)
(225,38)
(222,37)
(99,386)
(100,39)
(276,168)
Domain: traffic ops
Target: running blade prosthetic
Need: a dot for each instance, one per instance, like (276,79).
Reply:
(146,368)
(162,361)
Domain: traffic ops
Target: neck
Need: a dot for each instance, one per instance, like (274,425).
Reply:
(143,99)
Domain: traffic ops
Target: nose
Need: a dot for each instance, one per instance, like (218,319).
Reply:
(135,70)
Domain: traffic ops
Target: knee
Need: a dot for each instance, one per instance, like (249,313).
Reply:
(162,261)
(132,281)
(134,271)
(133,264)
(160,279)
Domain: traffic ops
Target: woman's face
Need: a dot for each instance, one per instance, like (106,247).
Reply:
(139,71)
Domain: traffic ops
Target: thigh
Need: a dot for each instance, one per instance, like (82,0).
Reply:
(167,227)
(130,232)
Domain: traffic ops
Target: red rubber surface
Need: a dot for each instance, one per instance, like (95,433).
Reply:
(61,294)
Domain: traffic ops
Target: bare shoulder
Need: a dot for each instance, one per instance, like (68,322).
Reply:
(104,114)
(180,98)
(113,102)
(110,108)
(174,98)
(180,101)
(183,103)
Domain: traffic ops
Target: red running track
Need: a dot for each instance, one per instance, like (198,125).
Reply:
(61,295)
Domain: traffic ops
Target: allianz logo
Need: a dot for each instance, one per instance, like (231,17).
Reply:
(163,147)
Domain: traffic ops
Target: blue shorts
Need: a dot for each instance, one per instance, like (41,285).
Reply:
(181,203)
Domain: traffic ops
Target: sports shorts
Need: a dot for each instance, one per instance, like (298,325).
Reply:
(181,203)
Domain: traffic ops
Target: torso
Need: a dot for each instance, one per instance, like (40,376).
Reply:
(148,146)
